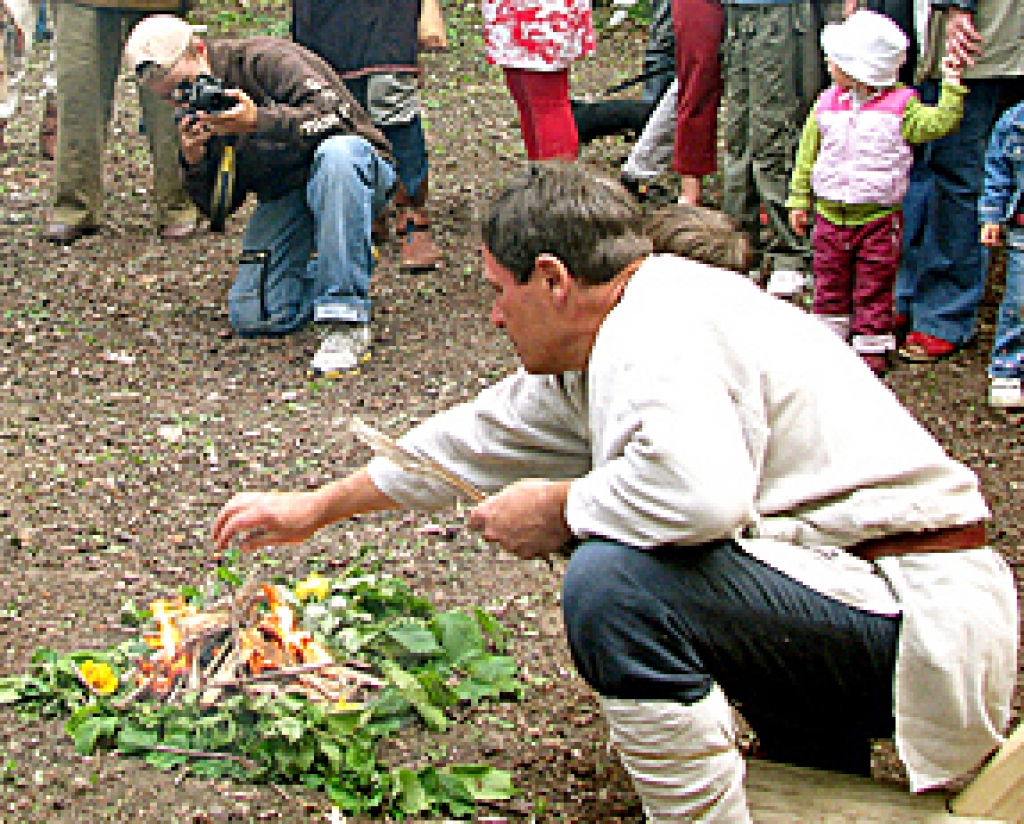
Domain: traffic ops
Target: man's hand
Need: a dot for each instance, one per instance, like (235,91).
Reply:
(261,519)
(798,221)
(849,7)
(526,519)
(991,235)
(963,43)
(194,136)
(239,119)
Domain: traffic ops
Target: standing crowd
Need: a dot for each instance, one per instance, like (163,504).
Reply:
(869,189)
(753,520)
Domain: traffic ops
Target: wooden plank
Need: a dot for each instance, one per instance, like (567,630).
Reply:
(998,790)
(781,794)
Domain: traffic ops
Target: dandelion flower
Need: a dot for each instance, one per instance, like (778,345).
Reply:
(314,585)
(100,677)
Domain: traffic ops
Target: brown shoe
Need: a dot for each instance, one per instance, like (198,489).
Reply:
(67,232)
(418,248)
(380,231)
(178,231)
(48,128)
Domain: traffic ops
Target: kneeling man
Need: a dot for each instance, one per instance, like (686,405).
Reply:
(290,132)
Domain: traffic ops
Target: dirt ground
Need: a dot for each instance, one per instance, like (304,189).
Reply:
(130,414)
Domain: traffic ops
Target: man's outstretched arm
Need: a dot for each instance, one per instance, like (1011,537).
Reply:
(261,519)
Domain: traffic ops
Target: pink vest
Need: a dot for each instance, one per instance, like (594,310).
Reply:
(863,157)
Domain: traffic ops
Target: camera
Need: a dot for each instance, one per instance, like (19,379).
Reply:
(203,94)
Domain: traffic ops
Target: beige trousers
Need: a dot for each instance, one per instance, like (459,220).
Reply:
(89,43)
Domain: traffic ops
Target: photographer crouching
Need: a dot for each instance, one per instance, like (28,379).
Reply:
(265,115)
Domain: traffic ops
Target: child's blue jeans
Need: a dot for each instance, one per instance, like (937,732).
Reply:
(1008,348)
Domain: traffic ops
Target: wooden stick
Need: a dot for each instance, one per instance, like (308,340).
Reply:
(386,447)
(321,686)
(272,675)
(195,672)
(131,697)
(220,756)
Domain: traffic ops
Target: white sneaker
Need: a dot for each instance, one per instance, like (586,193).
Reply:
(785,283)
(346,346)
(1005,393)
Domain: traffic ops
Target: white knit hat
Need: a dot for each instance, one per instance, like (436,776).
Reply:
(158,42)
(868,46)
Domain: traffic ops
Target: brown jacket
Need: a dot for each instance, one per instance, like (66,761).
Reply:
(300,102)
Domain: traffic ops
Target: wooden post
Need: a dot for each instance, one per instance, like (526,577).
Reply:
(998,790)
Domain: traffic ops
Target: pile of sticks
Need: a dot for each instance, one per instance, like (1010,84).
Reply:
(238,647)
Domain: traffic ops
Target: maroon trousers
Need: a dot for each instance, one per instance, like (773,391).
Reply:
(855,272)
(698,26)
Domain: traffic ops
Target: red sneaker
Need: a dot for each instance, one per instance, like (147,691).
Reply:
(921,347)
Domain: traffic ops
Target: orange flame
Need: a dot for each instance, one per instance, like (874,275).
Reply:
(280,622)
(172,661)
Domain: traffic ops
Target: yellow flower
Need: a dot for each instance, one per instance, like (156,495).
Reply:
(313,585)
(344,705)
(100,677)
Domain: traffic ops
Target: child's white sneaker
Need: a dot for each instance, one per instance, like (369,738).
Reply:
(1005,393)
(786,283)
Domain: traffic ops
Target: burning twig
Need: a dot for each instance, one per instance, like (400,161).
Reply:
(406,460)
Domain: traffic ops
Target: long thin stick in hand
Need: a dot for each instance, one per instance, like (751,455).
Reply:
(386,447)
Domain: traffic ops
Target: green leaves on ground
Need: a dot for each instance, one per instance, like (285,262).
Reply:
(430,661)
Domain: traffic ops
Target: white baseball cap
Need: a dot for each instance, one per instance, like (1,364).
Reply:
(157,43)
(868,46)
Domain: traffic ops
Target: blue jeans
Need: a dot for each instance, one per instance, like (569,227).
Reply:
(279,288)
(942,277)
(1008,347)
(812,676)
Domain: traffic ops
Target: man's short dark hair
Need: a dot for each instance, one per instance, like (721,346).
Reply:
(588,222)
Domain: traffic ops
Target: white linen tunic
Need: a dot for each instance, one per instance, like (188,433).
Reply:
(710,410)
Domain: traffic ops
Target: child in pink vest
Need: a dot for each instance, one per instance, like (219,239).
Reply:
(854,163)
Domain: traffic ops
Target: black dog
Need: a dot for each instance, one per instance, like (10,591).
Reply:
(605,118)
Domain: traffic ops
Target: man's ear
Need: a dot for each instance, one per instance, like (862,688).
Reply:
(554,275)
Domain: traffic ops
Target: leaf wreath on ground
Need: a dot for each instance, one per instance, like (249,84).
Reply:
(426,662)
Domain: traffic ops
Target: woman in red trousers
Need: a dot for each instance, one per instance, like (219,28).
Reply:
(535,43)
(698,26)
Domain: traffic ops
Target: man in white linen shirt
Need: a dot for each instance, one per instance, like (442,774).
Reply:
(754,514)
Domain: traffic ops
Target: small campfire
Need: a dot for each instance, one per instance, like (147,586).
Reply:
(250,643)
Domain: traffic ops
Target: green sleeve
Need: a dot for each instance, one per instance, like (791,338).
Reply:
(922,123)
(806,154)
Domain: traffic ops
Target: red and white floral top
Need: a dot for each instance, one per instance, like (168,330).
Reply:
(543,35)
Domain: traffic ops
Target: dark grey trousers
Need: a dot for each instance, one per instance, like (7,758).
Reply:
(812,676)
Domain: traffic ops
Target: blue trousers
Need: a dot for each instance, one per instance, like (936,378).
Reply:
(942,278)
(1008,346)
(812,676)
(280,286)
